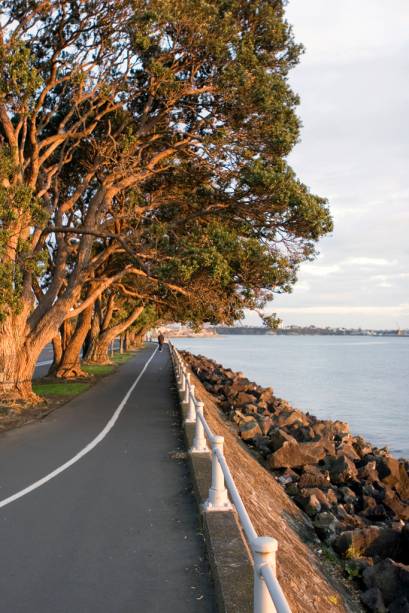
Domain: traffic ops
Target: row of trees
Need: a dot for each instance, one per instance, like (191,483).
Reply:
(143,172)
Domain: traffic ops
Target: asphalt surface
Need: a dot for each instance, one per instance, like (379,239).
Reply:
(118,531)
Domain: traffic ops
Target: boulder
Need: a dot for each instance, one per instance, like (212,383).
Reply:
(309,502)
(348,495)
(293,454)
(373,600)
(393,502)
(249,430)
(329,428)
(288,476)
(265,423)
(304,496)
(289,417)
(369,472)
(244,398)
(341,469)
(326,525)
(348,450)
(301,433)
(393,472)
(399,605)
(313,477)
(371,541)
(391,578)
(278,437)
(239,417)
(266,395)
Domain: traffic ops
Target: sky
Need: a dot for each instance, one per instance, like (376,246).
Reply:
(353,80)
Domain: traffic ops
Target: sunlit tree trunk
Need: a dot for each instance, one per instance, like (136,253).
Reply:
(100,347)
(70,364)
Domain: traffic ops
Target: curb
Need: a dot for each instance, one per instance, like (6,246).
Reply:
(232,570)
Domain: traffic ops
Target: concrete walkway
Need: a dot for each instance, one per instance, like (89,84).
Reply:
(116,532)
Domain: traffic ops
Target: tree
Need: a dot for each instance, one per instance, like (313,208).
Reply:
(104,107)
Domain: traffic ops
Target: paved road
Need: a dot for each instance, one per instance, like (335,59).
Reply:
(118,531)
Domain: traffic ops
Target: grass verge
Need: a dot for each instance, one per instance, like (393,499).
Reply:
(56,392)
(60,389)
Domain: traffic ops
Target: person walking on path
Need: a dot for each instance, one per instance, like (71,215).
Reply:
(161,340)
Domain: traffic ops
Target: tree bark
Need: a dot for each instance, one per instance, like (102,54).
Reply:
(98,353)
(18,357)
(70,364)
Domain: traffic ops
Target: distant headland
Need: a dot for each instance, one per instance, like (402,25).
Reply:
(183,331)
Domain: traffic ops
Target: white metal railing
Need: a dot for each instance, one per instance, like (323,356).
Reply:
(268,595)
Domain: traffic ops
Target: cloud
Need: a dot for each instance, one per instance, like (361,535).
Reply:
(369,262)
(317,270)
(354,150)
(342,310)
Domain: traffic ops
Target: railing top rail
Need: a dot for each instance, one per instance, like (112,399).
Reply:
(265,570)
(245,520)
(210,434)
(274,588)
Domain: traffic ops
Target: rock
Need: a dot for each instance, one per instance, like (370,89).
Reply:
(249,430)
(328,428)
(371,541)
(369,472)
(278,437)
(313,477)
(243,398)
(288,476)
(348,521)
(261,444)
(308,502)
(372,599)
(399,605)
(266,395)
(392,501)
(361,446)
(331,497)
(293,454)
(391,578)
(265,423)
(301,433)
(393,473)
(348,450)
(342,469)
(325,525)
(286,418)
(348,495)
(239,417)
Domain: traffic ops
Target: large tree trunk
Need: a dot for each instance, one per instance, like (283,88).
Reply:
(98,353)
(18,358)
(70,364)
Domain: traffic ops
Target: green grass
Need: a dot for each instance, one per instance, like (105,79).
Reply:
(121,358)
(98,369)
(65,388)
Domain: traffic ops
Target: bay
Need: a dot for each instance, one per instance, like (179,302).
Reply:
(361,380)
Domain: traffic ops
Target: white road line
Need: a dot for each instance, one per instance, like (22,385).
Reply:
(100,437)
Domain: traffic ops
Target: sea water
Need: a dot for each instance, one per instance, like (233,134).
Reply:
(361,380)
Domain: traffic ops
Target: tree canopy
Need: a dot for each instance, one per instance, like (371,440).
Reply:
(143,152)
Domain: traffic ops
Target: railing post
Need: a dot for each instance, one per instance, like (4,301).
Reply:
(218,499)
(182,381)
(191,413)
(199,440)
(186,397)
(264,552)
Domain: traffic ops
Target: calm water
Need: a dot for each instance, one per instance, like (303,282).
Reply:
(361,380)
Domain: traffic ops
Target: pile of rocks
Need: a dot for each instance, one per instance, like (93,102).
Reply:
(356,495)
